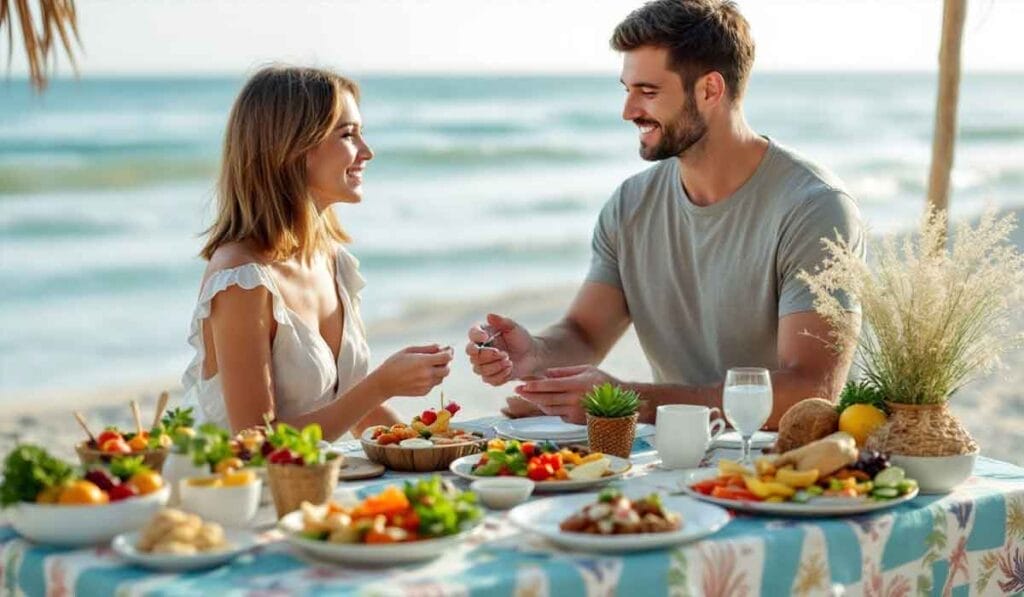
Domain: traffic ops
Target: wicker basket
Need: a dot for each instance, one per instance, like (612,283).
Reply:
(418,460)
(922,430)
(612,436)
(291,484)
(152,457)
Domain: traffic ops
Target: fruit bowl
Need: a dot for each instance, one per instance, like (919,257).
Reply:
(89,456)
(417,460)
(78,525)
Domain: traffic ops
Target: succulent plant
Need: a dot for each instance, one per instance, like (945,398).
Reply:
(611,401)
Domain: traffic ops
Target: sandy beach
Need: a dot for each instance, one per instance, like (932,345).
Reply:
(991,407)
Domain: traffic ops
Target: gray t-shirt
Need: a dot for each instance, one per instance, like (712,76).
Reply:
(706,286)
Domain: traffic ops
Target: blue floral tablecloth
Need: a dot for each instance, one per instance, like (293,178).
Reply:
(969,542)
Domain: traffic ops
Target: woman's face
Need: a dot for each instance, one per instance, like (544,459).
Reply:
(335,166)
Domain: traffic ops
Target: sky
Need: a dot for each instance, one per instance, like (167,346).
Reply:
(126,37)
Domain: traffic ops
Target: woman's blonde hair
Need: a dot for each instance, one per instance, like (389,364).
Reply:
(262,194)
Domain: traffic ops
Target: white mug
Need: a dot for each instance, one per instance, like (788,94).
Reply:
(683,433)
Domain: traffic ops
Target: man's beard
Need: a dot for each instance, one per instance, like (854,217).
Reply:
(677,137)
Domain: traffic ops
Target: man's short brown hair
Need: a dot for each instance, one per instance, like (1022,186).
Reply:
(700,35)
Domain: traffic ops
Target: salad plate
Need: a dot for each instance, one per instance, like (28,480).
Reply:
(618,467)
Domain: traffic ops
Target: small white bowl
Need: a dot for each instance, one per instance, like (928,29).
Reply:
(936,474)
(178,467)
(233,506)
(501,493)
(75,526)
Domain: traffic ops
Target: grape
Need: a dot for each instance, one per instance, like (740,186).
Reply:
(871,462)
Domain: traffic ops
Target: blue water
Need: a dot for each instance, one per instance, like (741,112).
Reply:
(481,185)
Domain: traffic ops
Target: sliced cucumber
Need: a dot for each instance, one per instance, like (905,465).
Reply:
(885,492)
(906,486)
(801,497)
(890,477)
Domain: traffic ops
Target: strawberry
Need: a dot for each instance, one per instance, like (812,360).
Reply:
(453,408)
(428,417)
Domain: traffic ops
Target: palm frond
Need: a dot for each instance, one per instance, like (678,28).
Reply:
(56,19)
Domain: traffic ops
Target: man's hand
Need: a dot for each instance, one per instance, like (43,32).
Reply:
(511,353)
(516,407)
(562,390)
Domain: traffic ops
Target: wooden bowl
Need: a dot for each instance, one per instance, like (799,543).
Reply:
(418,460)
(153,458)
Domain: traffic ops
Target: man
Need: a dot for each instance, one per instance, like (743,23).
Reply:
(702,251)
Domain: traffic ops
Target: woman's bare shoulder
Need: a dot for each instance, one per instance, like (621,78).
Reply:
(233,254)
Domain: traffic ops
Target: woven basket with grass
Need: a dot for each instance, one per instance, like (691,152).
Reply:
(612,413)
(292,484)
(922,430)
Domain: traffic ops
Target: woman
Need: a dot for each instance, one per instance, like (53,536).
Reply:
(277,327)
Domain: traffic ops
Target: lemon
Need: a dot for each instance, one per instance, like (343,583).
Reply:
(860,421)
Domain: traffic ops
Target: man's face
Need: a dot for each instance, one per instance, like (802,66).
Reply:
(657,103)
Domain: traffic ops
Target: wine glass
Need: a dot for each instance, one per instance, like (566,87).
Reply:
(747,402)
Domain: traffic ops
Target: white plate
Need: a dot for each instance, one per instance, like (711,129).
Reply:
(732,439)
(819,506)
(543,517)
(552,428)
(619,467)
(239,542)
(78,525)
(361,553)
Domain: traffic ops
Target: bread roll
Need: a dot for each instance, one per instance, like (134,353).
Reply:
(807,421)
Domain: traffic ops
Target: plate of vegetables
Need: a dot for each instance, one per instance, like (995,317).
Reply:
(553,469)
(415,522)
(869,483)
(49,501)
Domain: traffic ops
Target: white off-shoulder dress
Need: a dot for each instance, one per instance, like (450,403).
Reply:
(305,374)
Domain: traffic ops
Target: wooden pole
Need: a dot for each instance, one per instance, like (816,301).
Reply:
(944,139)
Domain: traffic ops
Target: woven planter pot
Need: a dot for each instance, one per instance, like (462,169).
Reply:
(292,484)
(612,436)
(922,430)
(153,458)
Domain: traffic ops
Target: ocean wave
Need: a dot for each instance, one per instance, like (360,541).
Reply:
(102,174)
(65,227)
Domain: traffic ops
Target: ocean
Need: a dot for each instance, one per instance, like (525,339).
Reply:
(482,185)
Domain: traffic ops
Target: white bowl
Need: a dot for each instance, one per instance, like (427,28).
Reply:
(75,526)
(233,506)
(936,474)
(501,493)
(178,467)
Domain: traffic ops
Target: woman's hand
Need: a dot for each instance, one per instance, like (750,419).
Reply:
(413,371)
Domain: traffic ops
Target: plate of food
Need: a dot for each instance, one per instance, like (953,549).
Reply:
(828,477)
(416,522)
(614,522)
(427,443)
(175,541)
(553,469)
(50,502)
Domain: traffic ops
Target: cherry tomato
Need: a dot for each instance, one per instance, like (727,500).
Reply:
(528,449)
(122,492)
(116,446)
(107,434)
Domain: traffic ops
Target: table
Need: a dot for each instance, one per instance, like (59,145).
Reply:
(965,543)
